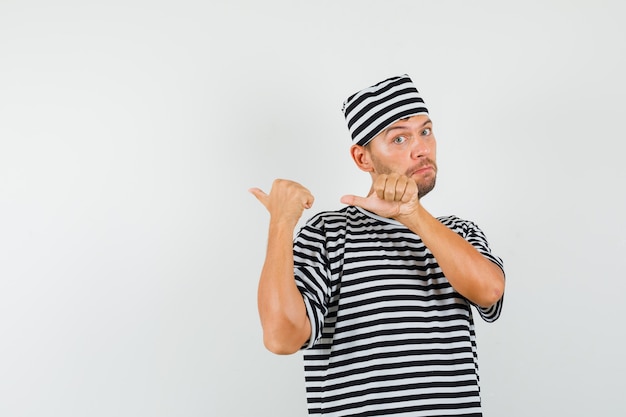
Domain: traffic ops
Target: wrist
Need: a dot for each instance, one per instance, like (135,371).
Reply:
(283,224)
(413,219)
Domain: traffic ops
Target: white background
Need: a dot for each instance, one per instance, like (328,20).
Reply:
(131,130)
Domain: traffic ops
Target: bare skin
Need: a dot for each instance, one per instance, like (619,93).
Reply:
(401,162)
(283,315)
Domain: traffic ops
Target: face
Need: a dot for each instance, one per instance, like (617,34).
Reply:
(406,147)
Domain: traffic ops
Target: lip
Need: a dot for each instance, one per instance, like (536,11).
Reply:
(423,170)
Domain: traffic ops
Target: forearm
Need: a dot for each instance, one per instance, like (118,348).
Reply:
(468,271)
(281,307)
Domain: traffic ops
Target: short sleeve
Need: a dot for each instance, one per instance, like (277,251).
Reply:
(475,236)
(317,255)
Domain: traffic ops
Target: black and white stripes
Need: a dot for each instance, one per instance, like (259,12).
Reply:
(390,336)
(373,109)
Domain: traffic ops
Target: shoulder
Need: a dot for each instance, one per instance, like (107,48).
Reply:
(461,226)
(332,218)
(470,231)
(325,222)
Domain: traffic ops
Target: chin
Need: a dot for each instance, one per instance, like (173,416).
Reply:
(425,187)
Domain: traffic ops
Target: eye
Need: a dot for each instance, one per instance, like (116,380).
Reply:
(399,139)
(427,131)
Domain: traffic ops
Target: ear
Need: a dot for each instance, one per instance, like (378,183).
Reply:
(361,157)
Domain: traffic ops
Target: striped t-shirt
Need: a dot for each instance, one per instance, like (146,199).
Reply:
(390,336)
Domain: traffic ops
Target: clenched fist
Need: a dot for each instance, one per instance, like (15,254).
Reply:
(286,200)
(392,195)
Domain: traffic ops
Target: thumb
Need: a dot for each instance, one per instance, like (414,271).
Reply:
(259,194)
(353,200)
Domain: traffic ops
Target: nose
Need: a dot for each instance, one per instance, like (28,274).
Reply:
(419,148)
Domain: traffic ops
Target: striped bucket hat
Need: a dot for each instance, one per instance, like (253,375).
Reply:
(373,109)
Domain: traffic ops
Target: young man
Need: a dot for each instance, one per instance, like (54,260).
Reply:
(379,294)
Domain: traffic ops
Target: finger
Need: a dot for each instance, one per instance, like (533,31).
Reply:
(390,188)
(260,195)
(353,200)
(410,192)
(401,185)
(379,186)
(308,201)
(305,196)
(394,187)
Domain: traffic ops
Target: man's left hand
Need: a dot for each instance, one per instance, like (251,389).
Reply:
(392,195)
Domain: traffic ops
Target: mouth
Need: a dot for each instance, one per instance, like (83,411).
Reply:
(422,170)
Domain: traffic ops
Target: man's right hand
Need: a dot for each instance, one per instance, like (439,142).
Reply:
(286,200)
(286,326)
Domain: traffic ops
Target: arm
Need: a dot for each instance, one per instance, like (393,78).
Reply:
(285,324)
(468,271)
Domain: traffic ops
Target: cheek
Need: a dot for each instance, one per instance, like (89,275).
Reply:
(379,166)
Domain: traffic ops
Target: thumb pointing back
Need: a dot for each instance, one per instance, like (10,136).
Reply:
(353,200)
(260,195)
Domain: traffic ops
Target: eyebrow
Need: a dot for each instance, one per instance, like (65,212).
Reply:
(390,128)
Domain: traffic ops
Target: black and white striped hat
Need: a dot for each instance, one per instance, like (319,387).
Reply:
(373,109)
